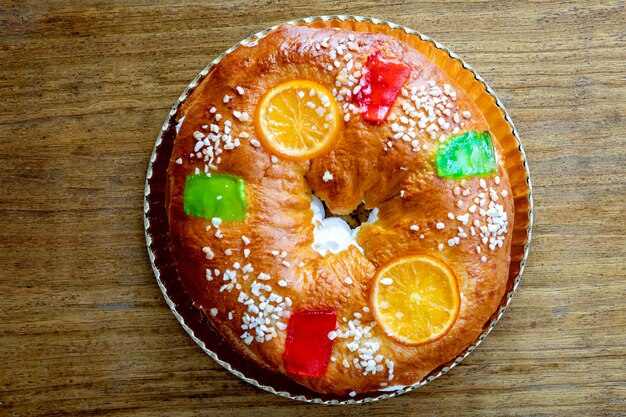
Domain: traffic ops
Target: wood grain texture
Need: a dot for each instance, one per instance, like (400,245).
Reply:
(84,89)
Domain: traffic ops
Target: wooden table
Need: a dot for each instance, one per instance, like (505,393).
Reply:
(84,89)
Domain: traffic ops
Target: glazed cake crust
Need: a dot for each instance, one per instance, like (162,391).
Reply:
(271,251)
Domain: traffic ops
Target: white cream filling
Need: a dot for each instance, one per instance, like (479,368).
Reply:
(333,234)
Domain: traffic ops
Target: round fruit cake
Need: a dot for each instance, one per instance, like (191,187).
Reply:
(338,209)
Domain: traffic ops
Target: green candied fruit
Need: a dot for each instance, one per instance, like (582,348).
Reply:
(466,155)
(217,195)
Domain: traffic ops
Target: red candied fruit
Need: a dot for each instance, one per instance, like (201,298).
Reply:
(308,348)
(383,81)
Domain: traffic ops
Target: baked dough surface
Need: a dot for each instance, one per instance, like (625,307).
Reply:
(368,163)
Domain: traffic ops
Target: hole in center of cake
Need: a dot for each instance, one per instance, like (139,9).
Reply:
(333,233)
(359,215)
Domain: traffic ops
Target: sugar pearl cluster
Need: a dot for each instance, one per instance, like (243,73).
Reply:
(214,138)
(426,109)
(265,310)
(349,80)
(490,227)
(360,339)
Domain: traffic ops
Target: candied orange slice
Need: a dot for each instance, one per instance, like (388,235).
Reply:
(297,120)
(416,299)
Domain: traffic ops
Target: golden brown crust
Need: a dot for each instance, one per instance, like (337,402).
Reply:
(400,182)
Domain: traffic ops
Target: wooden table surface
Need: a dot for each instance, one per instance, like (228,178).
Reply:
(84,89)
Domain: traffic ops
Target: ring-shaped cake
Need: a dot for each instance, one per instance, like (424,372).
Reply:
(356,236)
